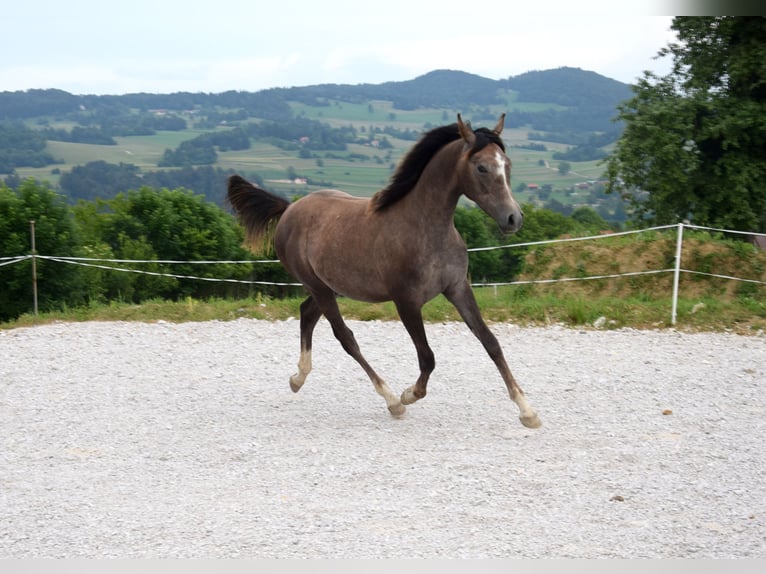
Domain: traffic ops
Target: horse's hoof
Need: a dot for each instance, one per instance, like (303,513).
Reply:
(397,410)
(295,383)
(531,421)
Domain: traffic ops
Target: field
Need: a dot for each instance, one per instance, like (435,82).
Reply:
(361,170)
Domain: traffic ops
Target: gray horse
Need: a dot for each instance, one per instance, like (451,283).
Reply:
(401,245)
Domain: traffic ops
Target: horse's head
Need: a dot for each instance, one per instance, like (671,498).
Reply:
(486,174)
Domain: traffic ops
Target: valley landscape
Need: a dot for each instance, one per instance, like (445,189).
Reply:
(295,140)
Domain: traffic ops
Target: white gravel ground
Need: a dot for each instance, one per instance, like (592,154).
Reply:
(184,440)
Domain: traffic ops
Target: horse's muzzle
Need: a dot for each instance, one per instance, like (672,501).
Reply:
(513,222)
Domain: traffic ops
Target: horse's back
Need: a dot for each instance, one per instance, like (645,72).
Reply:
(322,195)
(328,237)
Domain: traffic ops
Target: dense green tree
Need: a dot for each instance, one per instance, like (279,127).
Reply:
(694,145)
(99,179)
(479,230)
(56,234)
(198,151)
(589,219)
(21,146)
(175,225)
(79,134)
(103,180)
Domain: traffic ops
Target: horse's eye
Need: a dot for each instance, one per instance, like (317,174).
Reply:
(482,169)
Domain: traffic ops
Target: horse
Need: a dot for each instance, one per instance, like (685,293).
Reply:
(399,245)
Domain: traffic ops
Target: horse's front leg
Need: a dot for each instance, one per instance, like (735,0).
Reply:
(412,318)
(461,296)
(325,299)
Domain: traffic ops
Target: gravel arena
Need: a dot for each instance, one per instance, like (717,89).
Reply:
(163,440)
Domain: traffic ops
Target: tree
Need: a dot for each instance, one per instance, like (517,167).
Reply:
(694,145)
(589,219)
(55,233)
(21,146)
(99,179)
(168,225)
(478,230)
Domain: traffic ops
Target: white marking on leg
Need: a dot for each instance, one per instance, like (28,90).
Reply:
(304,368)
(395,406)
(527,414)
(408,396)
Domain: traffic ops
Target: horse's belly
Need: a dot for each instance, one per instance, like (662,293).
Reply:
(355,283)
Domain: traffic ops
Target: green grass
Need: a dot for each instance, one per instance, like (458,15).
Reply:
(515,304)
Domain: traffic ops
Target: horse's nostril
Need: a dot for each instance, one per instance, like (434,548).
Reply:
(515,220)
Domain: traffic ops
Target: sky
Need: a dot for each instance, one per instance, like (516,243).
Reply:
(165,46)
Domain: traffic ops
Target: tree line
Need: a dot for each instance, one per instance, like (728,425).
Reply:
(103,180)
(694,145)
(164,224)
(22,146)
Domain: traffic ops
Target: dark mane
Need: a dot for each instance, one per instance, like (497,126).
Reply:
(484,137)
(411,167)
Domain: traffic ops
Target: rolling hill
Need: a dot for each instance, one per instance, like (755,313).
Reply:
(297,139)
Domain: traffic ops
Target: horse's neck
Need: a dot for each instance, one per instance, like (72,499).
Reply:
(437,192)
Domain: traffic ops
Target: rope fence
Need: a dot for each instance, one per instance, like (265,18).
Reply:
(100,263)
(78,261)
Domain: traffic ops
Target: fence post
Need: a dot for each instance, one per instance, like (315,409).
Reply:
(34,264)
(677,272)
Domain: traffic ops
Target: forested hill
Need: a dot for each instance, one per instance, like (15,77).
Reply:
(587,94)
(438,89)
(324,135)
(569,87)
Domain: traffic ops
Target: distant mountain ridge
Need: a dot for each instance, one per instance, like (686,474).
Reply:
(440,88)
(568,87)
(590,92)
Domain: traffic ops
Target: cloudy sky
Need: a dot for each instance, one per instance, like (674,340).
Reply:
(161,46)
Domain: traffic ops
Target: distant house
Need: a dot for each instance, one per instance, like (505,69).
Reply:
(533,186)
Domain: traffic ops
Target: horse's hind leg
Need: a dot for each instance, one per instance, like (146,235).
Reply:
(310,314)
(329,307)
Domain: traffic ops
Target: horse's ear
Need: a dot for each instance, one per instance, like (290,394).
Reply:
(499,127)
(465,131)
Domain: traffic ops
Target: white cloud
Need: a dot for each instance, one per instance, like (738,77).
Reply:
(87,47)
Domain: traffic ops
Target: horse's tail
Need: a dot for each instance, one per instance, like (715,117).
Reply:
(257,209)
